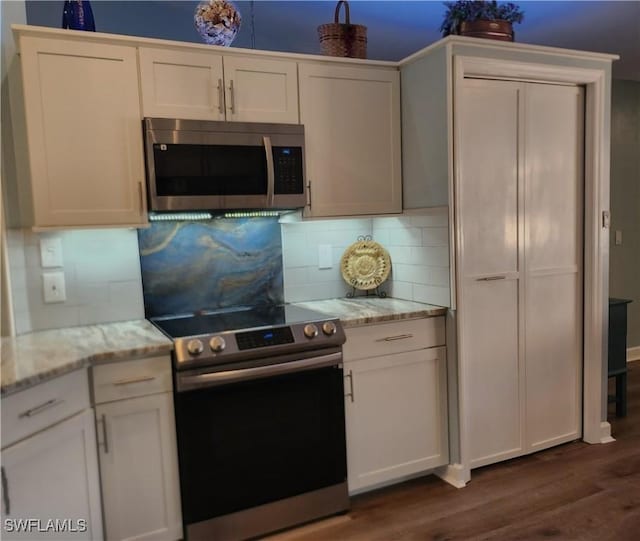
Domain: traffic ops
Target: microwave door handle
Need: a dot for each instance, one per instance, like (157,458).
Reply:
(270,171)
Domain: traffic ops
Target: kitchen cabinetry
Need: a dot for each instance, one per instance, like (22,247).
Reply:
(137,449)
(209,86)
(524,171)
(351,117)
(49,462)
(84,137)
(395,401)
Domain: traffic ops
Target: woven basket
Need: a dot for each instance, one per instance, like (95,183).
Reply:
(338,39)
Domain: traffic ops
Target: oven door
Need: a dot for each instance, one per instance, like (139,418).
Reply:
(247,438)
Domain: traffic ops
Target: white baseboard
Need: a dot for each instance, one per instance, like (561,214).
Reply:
(633,354)
(605,433)
(454,474)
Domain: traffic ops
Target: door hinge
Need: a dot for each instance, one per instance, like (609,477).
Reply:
(606,219)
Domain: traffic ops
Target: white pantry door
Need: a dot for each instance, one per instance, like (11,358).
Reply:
(554,203)
(519,189)
(490,282)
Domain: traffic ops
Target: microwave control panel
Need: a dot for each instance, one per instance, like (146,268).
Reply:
(288,168)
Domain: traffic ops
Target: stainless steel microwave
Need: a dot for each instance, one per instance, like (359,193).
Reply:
(209,165)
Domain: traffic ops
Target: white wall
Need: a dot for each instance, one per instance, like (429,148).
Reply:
(102,275)
(417,245)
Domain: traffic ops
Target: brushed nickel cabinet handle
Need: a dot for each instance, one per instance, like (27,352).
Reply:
(232,97)
(271,175)
(140,199)
(220,97)
(309,193)
(396,337)
(134,380)
(491,278)
(105,443)
(5,493)
(42,407)
(350,393)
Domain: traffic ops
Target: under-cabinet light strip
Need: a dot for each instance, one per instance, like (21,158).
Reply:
(176,216)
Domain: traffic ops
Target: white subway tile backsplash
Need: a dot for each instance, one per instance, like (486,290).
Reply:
(417,245)
(436,256)
(439,276)
(102,279)
(296,275)
(435,236)
(411,236)
(431,294)
(400,254)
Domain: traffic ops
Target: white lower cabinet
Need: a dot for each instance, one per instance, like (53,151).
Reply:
(50,484)
(137,451)
(395,402)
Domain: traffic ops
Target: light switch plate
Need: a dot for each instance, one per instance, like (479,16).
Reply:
(54,287)
(325,256)
(618,238)
(51,252)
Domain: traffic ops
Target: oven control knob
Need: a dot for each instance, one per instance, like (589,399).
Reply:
(195,347)
(217,344)
(329,328)
(310,330)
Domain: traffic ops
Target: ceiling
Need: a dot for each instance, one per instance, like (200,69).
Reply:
(396,28)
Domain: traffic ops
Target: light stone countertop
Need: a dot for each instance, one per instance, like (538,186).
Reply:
(33,358)
(367,310)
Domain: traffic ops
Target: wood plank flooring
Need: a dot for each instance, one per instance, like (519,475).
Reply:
(575,492)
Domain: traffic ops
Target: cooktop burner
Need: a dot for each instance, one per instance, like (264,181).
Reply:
(239,334)
(234,319)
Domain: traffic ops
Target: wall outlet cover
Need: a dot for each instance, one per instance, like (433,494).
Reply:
(51,252)
(54,287)
(325,256)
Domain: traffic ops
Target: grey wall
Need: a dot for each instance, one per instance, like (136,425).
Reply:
(624,273)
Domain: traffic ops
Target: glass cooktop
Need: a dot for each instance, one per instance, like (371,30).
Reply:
(235,319)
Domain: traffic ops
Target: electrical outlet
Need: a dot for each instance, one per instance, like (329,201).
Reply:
(54,288)
(51,252)
(325,256)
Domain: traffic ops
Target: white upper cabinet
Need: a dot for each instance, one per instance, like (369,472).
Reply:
(351,117)
(84,135)
(179,84)
(261,90)
(209,86)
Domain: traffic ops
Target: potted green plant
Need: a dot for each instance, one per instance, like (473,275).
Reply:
(477,18)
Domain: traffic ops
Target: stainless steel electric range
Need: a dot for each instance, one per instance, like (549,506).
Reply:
(259,408)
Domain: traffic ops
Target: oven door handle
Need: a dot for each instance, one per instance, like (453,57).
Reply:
(186,382)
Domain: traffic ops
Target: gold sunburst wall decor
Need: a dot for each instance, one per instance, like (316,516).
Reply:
(365,265)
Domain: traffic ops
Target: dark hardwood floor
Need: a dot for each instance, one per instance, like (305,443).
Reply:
(574,491)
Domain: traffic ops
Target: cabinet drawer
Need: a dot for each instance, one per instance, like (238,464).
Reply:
(395,337)
(39,407)
(129,379)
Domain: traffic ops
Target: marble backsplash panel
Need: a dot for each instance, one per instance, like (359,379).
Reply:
(190,266)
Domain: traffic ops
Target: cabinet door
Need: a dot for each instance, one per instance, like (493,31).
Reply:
(261,90)
(352,128)
(53,475)
(491,244)
(179,84)
(139,468)
(553,263)
(84,133)
(396,416)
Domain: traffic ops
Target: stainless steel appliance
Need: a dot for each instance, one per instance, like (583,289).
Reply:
(259,406)
(208,165)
